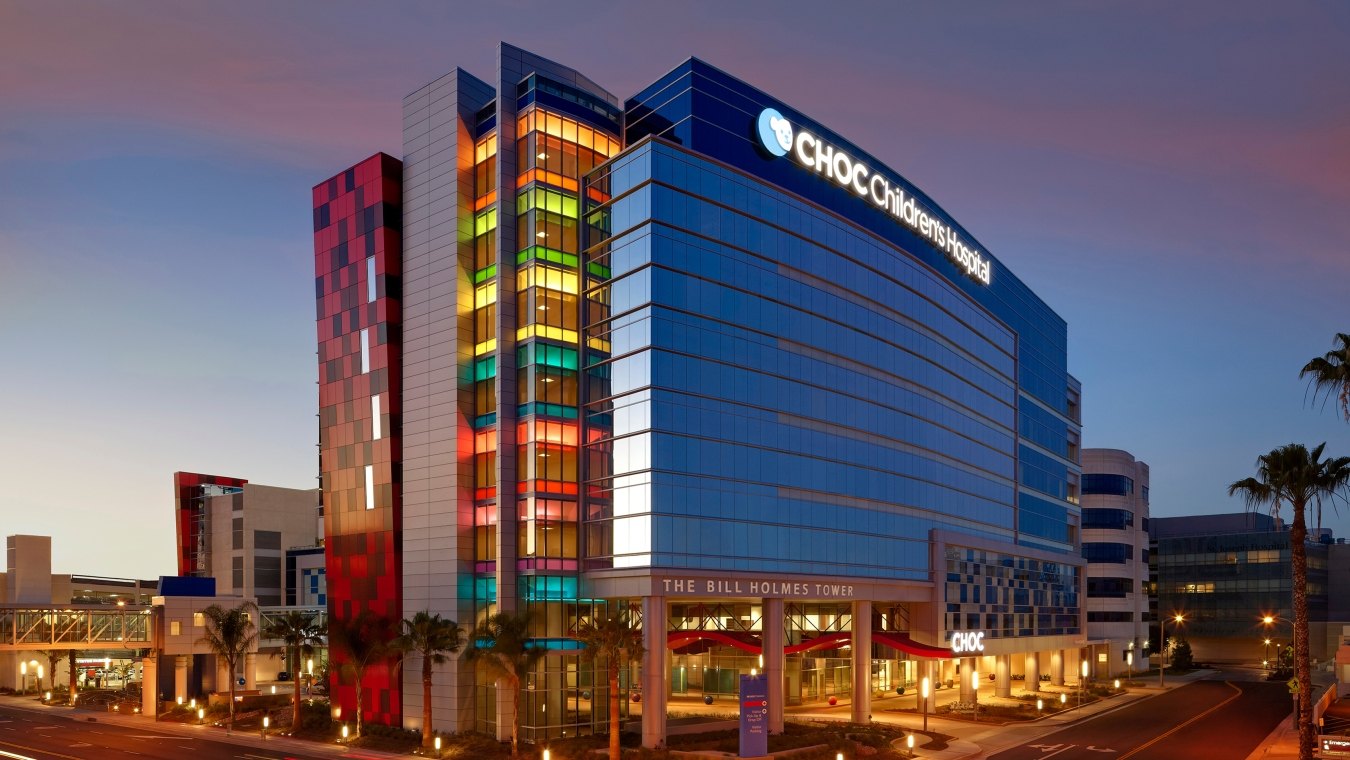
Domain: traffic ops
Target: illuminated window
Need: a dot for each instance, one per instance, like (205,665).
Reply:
(198,620)
(375,431)
(176,628)
(370,280)
(370,486)
(365,350)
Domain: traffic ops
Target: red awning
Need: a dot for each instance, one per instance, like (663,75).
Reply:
(904,643)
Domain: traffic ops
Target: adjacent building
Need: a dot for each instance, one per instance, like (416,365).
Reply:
(1226,573)
(241,533)
(1115,546)
(697,358)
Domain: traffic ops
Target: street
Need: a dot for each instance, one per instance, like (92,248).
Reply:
(28,735)
(1222,720)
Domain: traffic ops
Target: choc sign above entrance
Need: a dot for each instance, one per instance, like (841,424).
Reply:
(781,137)
(967,642)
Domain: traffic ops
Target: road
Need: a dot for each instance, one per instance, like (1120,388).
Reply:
(28,735)
(1218,720)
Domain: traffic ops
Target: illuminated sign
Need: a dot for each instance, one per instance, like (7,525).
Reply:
(786,587)
(967,641)
(780,138)
(1334,746)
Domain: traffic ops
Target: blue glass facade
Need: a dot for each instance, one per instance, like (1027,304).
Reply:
(794,382)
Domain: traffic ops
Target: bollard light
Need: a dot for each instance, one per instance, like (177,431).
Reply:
(180,701)
(311,665)
(193,704)
(909,742)
(1040,705)
(1116,683)
(47,696)
(753,672)
(1063,698)
(839,756)
(201,714)
(39,673)
(438,746)
(546,753)
(344,732)
(267,721)
(274,688)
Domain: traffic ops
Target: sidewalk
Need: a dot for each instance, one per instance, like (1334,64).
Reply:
(239,738)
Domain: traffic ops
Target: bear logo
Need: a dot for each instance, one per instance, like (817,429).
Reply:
(775,132)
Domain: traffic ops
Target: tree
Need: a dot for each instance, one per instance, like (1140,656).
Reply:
(298,634)
(362,641)
(73,681)
(1298,477)
(53,656)
(230,633)
(1329,374)
(1182,657)
(502,645)
(615,639)
(432,637)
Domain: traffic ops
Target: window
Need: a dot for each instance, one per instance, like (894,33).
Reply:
(375,428)
(365,350)
(1109,519)
(1108,485)
(1110,588)
(176,627)
(370,280)
(1107,552)
(237,573)
(198,620)
(267,539)
(370,486)
(237,533)
(1109,616)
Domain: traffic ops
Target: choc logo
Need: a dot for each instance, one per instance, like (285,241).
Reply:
(775,132)
(967,641)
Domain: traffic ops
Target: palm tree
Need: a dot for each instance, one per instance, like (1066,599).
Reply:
(1298,477)
(363,641)
(1330,373)
(617,640)
(71,655)
(298,634)
(230,633)
(432,637)
(53,656)
(502,644)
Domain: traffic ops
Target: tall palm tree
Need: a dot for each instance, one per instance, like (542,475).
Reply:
(1298,477)
(502,644)
(230,633)
(53,656)
(1330,373)
(432,637)
(73,681)
(362,641)
(298,634)
(615,639)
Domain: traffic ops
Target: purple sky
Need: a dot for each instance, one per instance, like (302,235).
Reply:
(1172,178)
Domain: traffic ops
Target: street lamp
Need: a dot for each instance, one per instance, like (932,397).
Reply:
(974,694)
(1129,664)
(1162,651)
(1082,681)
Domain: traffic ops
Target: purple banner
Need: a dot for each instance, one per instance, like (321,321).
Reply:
(754,716)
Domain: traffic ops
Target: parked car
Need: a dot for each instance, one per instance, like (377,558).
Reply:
(284,676)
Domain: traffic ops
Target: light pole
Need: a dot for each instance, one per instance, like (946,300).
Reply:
(1082,682)
(1162,651)
(924,686)
(1129,664)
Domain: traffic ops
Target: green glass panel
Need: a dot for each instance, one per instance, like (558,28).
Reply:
(484,274)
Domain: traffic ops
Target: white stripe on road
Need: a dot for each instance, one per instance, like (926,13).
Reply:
(16,757)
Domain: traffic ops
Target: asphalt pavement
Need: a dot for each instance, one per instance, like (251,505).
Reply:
(1216,720)
(60,733)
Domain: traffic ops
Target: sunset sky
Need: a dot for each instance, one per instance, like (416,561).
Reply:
(1172,178)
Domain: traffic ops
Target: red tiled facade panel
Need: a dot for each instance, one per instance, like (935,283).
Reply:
(358,269)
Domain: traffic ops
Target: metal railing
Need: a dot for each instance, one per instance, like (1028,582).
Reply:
(74,627)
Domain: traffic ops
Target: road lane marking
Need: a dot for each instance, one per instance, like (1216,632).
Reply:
(1177,728)
(16,757)
(34,749)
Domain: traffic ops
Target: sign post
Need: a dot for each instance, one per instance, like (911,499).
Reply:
(754,716)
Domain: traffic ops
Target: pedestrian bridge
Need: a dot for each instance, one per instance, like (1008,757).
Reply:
(24,627)
(31,627)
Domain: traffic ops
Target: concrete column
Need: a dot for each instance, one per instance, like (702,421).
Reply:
(251,671)
(150,685)
(1032,668)
(967,686)
(862,662)
(1057,667)
(772,624)
(180,665)
(1003,675)
(653,671)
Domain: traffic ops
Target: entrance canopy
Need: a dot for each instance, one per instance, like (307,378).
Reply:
(692,639)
